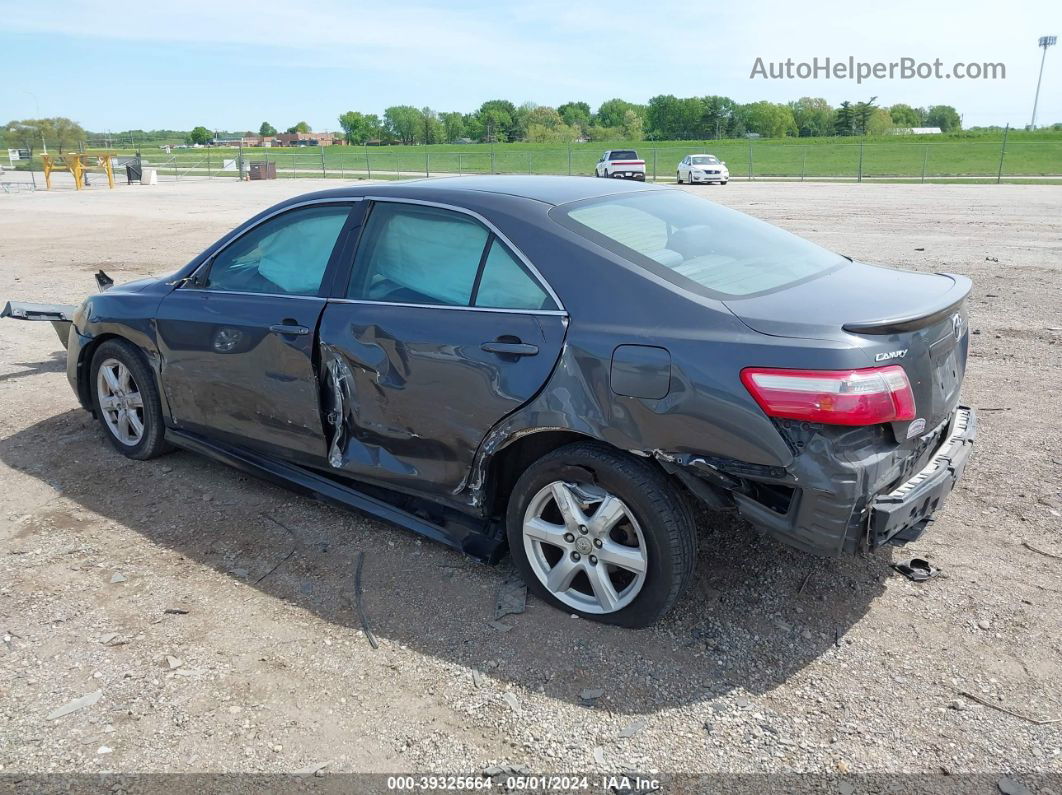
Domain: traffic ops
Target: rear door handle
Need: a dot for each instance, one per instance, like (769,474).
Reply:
(510,348)
(283,328)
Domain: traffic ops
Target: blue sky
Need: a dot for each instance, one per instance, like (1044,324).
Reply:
(118,64)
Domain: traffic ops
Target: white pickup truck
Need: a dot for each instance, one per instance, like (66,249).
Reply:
(621,164)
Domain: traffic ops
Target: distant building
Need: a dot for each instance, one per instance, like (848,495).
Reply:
(306,139)
(916,131)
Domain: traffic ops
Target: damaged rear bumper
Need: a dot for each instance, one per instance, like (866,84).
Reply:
(848,489)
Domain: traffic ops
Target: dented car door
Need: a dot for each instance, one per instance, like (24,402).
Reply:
(444,329)
(238,339)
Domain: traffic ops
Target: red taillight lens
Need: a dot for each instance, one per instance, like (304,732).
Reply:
(835,397)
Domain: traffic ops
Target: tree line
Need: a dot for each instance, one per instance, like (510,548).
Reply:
(664,117)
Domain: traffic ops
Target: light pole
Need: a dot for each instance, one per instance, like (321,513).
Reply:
(1045,42)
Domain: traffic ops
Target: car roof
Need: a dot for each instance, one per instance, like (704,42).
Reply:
(545,189)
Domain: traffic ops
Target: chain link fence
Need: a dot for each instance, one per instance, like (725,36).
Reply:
(859,161)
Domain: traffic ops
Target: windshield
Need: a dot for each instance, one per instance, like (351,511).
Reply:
(704,160)
(624,154)
(697,244)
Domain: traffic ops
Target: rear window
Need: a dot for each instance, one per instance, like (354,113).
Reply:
(624,154)
(696,244)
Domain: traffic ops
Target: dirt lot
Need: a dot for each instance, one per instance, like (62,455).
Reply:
(213,612)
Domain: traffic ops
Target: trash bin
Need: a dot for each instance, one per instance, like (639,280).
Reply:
(133,172)
(263,169)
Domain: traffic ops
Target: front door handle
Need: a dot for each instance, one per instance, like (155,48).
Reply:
(510,348)
(284,328)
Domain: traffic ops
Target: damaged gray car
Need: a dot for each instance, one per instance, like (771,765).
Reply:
(555,366)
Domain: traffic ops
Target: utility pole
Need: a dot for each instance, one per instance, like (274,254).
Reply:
(1045,42)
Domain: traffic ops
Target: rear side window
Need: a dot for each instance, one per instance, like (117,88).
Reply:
(418,255)
(286,255)
(697,244)
(414,254)
(505,284)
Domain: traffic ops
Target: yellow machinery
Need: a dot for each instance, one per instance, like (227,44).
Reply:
(77,164)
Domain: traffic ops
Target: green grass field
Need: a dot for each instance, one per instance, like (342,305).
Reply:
(1027,155)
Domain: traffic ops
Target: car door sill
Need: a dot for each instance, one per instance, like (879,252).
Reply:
(476,543)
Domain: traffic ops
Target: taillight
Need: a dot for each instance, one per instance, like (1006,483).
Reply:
(835,397)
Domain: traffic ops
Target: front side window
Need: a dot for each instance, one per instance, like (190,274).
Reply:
(697,244)
(286,255)
(414,254)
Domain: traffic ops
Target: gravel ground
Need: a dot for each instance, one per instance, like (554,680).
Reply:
(212,613)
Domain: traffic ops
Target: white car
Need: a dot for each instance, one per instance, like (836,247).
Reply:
(620,164)
(702,168)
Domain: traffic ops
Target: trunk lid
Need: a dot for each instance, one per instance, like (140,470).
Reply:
(915,320)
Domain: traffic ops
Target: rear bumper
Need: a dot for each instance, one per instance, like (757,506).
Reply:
(628,175)
(903,514)
(848,489)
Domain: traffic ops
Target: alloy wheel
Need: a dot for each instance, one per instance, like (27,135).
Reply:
(585,546)
(120,402)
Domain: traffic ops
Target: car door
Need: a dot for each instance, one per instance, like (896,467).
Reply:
(444,329)
(683,169)
(237,341)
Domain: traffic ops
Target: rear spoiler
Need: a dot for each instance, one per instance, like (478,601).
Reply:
(61,316)
(947,304)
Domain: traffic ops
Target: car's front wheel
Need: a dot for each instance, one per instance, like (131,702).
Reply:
(603,534)
(127,401)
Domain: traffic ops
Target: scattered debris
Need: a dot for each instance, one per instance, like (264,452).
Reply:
(490,771)
(286,558)
(357,601)
(633,728)
(511,598)
(118,577)
(511,700)
(75,705)
(599,755)
(498,625)
(316,769)
(991,259)
(1027,545)
(590,695)
(1004,710)
(1009,786)
(478,679)
(104,749)
(920,248)
(803,585)
(106,639)
(173,663)
(175,611)
(918,570)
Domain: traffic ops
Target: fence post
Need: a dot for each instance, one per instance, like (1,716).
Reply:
(492,164)
(803,162)
(293,165)
(859,173)
(569,158)
(654,164)
(368,165)
(460,170)
(426,165)
(239,164)
(750,160)
(209,175)
(1003,151)
(529,162)
(324,173)
(925,159)
(398,166)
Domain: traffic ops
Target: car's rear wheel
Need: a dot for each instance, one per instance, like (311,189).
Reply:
(602,534)
(127,401)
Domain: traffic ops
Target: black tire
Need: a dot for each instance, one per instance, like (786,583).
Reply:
(662,512)
(152,442)
(678,177)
